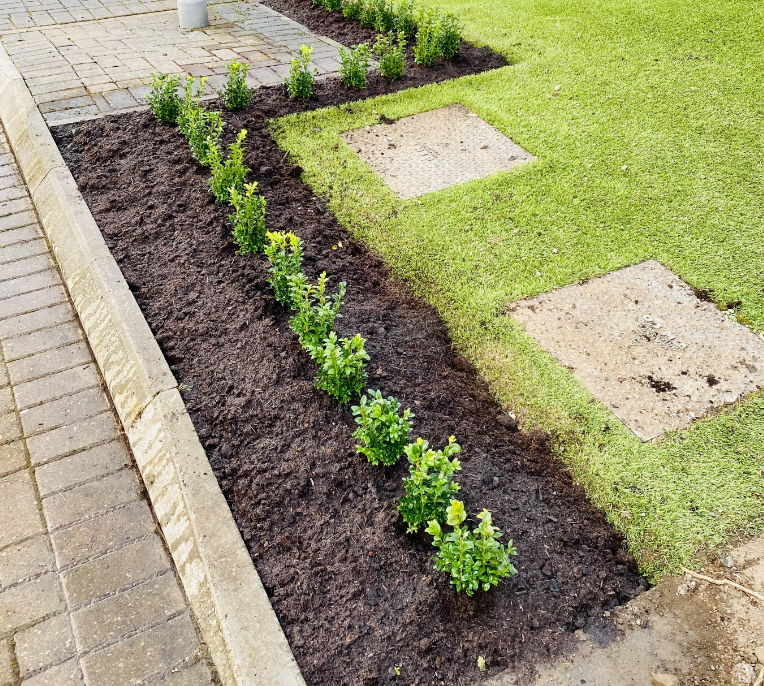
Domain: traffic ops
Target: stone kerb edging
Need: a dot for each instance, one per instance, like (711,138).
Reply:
(237,621)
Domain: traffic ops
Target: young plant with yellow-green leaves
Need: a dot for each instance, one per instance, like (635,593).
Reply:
(430,484)
(473,559)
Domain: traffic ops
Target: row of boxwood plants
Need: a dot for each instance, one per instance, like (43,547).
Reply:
(473,558)
(437,35)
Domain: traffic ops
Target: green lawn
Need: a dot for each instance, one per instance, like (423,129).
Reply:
(674,91)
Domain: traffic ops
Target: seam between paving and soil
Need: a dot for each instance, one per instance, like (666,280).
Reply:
(231,606)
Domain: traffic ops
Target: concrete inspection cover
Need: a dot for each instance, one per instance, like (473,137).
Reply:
(434,150)
(643,343)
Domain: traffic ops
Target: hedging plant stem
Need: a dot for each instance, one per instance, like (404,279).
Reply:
(285,255)
(229,174)
(315,312)
(391,60)
(355,66)
(163,97)
(341,366)
(301,78)
(430,485)
(236,94)
(473,559)
(248,219)
(383,433)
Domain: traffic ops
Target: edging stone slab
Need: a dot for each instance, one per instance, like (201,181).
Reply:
(208,549)
(234,613)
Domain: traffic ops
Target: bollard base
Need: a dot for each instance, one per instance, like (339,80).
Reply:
(192,14)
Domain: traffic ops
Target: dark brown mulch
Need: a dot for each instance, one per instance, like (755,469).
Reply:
(356,595)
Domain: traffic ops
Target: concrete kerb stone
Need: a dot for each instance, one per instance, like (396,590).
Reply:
(206,544)
(237,621)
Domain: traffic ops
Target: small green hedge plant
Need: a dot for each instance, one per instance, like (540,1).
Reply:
(405,21)
(230,173)
(384,16)
(236,94)
(203,129)
(331,5)
(427,47)
(430,485)
(391,60)
(473,559)
(355,66)
(449,35)
(382,431)
(285,255)
(301,77)
(315,312)
(191,103)
(163,97)
(341,366)
(248,219)
(353,9)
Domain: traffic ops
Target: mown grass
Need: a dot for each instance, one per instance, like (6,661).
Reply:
(672,91)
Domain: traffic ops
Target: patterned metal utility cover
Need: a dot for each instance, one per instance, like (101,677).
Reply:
(435,150)
(645,344)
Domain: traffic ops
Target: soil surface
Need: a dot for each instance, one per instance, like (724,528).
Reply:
(358,598)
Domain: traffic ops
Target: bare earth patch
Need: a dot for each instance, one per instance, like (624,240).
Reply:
(645,344)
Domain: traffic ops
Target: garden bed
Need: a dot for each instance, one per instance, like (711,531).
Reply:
(357,597)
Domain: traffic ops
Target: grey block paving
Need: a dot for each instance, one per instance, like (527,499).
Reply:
(80,67)
(88,593)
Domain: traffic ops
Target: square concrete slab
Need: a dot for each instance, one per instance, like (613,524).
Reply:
(435,150)
(643,343)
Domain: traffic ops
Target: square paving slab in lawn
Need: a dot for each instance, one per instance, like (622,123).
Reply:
(434,150)
(643,343)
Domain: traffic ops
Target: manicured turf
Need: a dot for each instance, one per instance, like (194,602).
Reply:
(672,90)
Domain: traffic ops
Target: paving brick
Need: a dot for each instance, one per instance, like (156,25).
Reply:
(39,319)
(30,282)
(111,531)
(19,304)
(80,467)
(117,570)
(142,656)
(66,674)
(56,385)
(23,561)
(6,400)
(127,612)
(19,510)
(120,99)
(14,221)
(42,364)
(12,192)
(29,602)
(13,457)
(196,675)
(42,340)
(67,410)
(10,428)
(30,265)
(69,439)
(90,499)
(15,205)
(39,646)
(21,233)
(4,378)
(20,250)
(7,677)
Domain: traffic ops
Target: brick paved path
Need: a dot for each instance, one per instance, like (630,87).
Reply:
(88,593)
(79,70)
